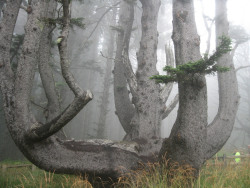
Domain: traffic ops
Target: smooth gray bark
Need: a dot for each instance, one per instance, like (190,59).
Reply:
(141,118)
(45,69)
(36,140)
(188,133)
(124,108)
(220,129)
(148,102)
(192,141)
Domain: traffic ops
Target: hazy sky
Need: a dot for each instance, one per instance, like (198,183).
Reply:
(239,13)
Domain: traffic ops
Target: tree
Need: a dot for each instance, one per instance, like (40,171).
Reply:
(107,78)
(191,141)
(35,139)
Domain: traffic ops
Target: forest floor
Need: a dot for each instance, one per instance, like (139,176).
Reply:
(214,174)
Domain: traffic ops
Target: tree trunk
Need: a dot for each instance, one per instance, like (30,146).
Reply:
(220,129)
(192,141)
(142,119)
(148,103)
(35,140)
(188,133)
(45,70)
(107,80)
(124,108)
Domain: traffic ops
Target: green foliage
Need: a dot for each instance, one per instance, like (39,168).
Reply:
(77,22)
(59,21)
(206,65)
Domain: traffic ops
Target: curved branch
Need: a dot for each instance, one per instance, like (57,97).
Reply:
(130,76)
(242,67)
(45,70)
(169,62)
(127,29)
(124,108)
(170,107)
(7,26)
(96,26)
(100,19)
(102,158)
(38,131)
(220,129)
(208,28)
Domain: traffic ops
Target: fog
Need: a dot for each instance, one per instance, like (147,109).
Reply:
(92,51)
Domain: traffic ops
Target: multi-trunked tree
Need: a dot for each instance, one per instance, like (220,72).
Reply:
(192,140)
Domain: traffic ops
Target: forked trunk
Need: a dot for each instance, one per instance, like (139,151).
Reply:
(188,134)
(148,102)
(192,141)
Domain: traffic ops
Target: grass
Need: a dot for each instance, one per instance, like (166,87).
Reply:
(213,175)
(25,178)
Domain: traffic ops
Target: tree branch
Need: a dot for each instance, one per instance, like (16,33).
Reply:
(45,69)
(124,108)
(170,107)
(169,62)
(38,131)
(208,28)
(6,34)
(97,24)
(242,67)
(220,129)
(131,78)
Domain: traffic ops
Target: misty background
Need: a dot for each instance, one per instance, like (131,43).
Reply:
(92,50)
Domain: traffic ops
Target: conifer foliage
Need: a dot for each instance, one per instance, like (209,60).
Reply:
(206,65)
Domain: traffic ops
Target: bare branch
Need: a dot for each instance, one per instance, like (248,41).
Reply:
(100,19)
(169,62)
(62,46)
(7,26)
(23,7)
(106,56)
(219,130)
(170,107)
(130,76)
(242,67)
(234,50)
(208,28)
(39,131)
(124,108)
(38,105)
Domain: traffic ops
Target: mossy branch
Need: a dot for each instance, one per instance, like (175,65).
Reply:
(58,21)
(206,65)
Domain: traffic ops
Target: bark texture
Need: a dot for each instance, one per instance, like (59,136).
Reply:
(140,117)
(220,129)
(188,134)
(44,63)
(148,103)
(124,108)
(36,140)
(192,141)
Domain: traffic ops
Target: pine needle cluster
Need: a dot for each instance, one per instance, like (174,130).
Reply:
(206,65)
